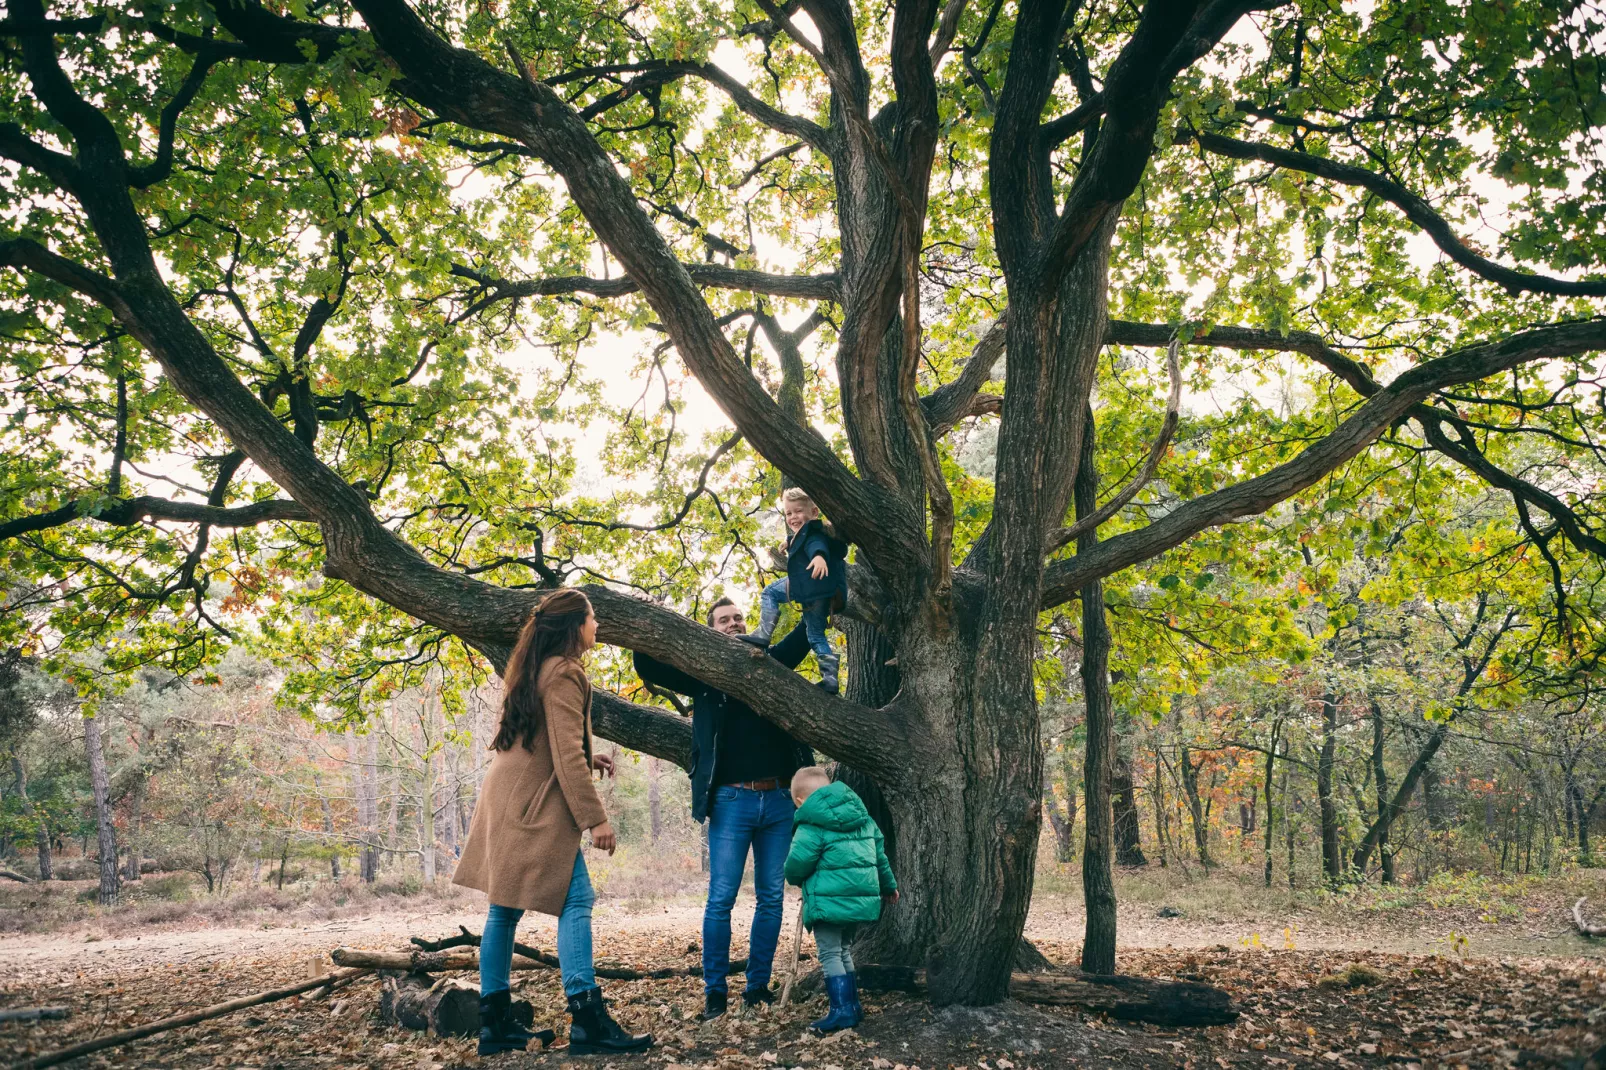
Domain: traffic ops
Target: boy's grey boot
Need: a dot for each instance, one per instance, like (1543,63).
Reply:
(829,664)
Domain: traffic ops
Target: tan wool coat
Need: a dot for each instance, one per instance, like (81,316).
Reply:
(525,833)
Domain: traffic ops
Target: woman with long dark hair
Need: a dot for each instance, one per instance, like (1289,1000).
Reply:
(523,846)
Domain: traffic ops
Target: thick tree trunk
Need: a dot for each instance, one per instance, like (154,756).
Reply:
(1332,857)
(105,832)
(1124,799)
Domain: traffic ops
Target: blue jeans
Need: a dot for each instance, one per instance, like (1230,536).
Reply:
(833,943)
(742,819)
(816,615)
(574,939)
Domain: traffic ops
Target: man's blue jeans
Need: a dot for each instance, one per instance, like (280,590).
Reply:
(743,819)
(574,939)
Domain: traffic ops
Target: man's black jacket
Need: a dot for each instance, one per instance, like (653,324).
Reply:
(708,709)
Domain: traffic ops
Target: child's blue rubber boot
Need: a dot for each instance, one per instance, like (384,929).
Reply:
(839,990)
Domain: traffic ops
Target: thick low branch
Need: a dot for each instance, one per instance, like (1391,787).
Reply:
(1417,210)
(863,737)
(135,510)
(1384,408)
(642,728)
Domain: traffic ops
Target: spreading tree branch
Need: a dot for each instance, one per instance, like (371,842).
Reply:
(1417,210)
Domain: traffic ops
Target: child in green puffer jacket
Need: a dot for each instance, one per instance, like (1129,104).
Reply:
(839,859)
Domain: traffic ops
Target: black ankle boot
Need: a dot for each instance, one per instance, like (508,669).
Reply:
(498,1031)
(593,1030)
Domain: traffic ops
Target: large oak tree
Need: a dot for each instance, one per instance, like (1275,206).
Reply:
(331,225)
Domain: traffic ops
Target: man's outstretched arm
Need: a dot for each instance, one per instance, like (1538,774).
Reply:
(652,671)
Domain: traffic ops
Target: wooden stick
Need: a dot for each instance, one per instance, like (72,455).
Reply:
(1584,928)
(424,961)
(797,949)
(114,1040)
(33,1014)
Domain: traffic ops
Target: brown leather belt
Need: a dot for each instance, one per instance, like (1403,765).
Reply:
(769,784)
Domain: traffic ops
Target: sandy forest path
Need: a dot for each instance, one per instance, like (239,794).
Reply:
(1539,930)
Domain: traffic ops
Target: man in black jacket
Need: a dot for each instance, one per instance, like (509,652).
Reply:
(741,776)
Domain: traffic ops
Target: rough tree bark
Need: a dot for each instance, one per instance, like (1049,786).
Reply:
(41,827)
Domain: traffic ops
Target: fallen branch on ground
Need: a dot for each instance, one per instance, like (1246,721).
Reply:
(1130,999)
(33,1014)
(464,938)
(113,1040)
(12,875)
(1584,928)
(444,1008)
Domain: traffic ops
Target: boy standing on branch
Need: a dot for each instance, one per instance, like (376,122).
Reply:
(816,578)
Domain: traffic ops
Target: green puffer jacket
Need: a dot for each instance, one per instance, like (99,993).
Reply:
(839,859)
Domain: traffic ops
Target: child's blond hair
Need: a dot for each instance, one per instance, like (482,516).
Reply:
(799,495)
(808,780)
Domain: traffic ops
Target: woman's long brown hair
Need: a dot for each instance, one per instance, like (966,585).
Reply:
(553,631)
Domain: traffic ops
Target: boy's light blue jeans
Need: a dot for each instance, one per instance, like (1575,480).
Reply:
(833,943)
(816,615)
(574,939)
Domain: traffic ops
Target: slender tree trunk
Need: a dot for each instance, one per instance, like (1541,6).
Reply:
(136,819)
(1161,835)
(1271,755)
(1332,859)
(1289,812)
(1190,786)
(329,835)
(106,834)
(655,806)
(1098,876)
(370,813)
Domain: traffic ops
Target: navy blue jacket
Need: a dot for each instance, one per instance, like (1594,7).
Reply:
(708,708)
(808,542)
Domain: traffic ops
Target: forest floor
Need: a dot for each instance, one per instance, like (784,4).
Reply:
(1468,972)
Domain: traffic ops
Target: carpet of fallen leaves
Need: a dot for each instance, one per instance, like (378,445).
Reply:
(1300,1008)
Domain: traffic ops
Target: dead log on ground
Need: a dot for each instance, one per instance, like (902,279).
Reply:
(13,875)
(33,1014)
(1584,928)
(465,938)
(1121,996)
(446,1008)
(425,961)
(113,1040)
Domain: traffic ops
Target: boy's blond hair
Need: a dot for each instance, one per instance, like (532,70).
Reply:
(798,494)
(808,780)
